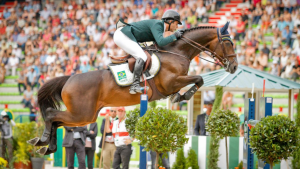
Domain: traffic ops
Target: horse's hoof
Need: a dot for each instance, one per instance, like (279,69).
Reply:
(42,151)
(175,98)
(33,141)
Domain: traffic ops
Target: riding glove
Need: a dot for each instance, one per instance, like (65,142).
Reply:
(178,33)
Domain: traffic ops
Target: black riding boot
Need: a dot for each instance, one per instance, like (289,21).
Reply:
(138,68)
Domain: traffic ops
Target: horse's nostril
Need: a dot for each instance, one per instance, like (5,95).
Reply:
(234,68)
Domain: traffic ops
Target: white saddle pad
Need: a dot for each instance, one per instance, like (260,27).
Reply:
(123,75)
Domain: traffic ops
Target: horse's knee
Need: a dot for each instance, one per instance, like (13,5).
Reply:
(199,81)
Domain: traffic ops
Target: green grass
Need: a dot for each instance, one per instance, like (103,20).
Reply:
(8,85)
(11,77)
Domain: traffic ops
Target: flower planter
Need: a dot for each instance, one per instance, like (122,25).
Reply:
(20,165)
(37,163)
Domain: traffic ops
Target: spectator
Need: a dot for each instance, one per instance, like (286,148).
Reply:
(109,147)
(7,132)
(122,142)
(296,71)
(85,67)
(275,69)
(13,63)
(165,160)
(21,82)
(240,29)
(286,35)
(45,13)
(287,70)
(227,100)
(31,78)
(276,41)
(90,143)
(28,97)
(266,50)
(22,38)
(74,142)
(202,120)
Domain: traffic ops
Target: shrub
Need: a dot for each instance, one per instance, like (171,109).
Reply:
(161,130)
(180,160)
(274,138)
(192,160)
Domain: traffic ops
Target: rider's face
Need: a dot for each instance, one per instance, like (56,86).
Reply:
(174,26)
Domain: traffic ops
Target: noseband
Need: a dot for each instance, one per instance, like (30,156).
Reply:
(221,39)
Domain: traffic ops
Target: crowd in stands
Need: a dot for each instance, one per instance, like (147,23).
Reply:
(71,37)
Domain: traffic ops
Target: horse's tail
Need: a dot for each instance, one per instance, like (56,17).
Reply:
(49,95)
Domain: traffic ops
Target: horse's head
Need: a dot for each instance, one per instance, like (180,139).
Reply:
(222,48)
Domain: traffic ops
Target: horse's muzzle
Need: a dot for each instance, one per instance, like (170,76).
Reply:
(232,67)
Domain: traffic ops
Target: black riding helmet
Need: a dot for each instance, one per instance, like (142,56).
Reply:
(171,15)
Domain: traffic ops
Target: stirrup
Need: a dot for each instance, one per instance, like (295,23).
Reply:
(137,89)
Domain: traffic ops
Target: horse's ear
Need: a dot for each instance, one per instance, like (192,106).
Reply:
(224,29)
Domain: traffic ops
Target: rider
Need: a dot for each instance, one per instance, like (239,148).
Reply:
(162,32)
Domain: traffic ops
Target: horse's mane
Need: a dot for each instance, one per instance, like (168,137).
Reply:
(199,27)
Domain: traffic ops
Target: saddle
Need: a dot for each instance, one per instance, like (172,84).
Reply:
(131,61)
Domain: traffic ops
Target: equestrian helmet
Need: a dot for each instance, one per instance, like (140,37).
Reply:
(171,14)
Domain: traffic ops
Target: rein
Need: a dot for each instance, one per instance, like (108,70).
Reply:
(225,61)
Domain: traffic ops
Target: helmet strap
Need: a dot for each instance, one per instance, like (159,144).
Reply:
(169,24)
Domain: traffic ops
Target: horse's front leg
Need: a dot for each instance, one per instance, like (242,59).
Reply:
(183,81)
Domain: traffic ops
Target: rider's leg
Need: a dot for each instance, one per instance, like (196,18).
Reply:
(132,48)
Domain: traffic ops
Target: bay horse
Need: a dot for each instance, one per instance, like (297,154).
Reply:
(84,95)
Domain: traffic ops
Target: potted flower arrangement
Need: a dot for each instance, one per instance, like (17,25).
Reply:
(22,150)
(3,163)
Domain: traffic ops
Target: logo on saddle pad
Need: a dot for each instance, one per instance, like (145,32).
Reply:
(122,76)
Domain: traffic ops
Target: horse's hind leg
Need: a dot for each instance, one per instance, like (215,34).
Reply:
(45,139)
(53,141)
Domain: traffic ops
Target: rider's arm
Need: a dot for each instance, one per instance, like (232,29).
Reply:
(158,34)
(168,33)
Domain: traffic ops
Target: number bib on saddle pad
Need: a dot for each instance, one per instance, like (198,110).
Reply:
(124,77)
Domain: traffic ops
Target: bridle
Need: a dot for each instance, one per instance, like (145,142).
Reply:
(217,58)
(221,39)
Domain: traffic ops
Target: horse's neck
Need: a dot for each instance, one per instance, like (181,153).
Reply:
(201,36)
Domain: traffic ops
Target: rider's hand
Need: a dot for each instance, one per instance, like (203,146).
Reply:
(178,33)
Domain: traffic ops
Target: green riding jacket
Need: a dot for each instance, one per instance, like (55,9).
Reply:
(147,30)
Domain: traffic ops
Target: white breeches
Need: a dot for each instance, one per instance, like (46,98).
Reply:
(129,46)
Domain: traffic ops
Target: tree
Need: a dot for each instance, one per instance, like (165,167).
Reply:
(161,130)
(274,138)
(131,119)
(213,155)
(296,155)
(180,162)
(192,160)
(223,123)
(214,145)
